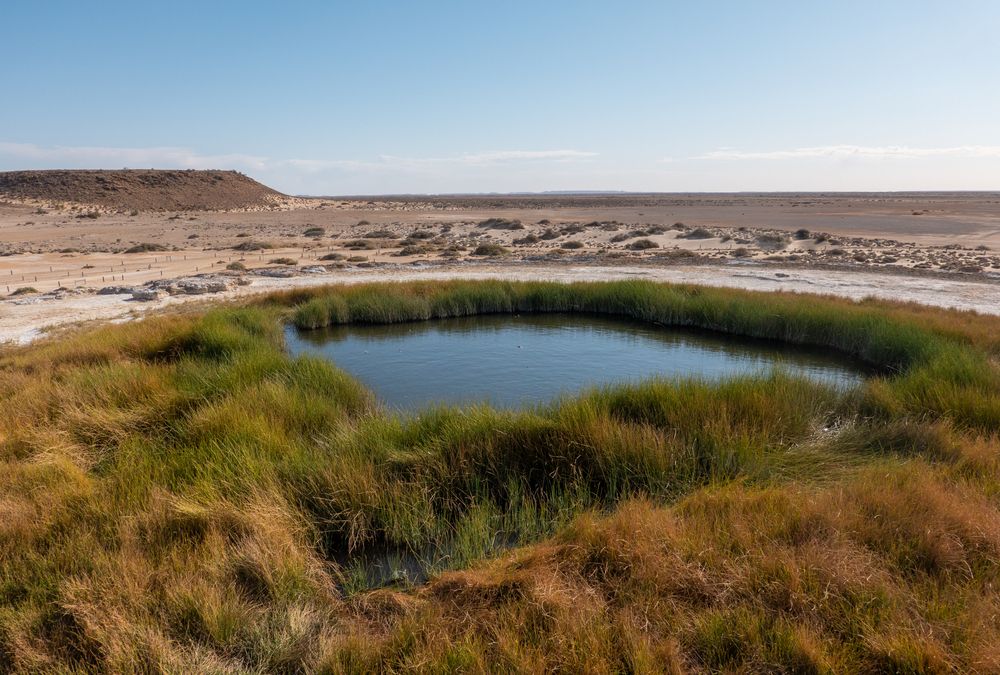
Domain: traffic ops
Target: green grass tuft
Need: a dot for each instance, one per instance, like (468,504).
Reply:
(180,494)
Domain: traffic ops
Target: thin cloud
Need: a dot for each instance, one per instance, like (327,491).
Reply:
(858,151)
(176,157)
(526,155)
(317,165)
(103,157)
(493,158)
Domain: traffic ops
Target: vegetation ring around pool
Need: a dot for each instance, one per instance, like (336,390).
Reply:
(181,493)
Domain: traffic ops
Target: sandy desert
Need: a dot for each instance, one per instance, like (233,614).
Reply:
(109,254)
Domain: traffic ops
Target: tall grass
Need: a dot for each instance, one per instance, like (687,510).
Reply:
(942,375)
(179,494)
(855,329)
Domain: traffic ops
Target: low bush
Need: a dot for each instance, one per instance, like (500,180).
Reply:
(527,240)
(772,241)
(414,249)
(489,250)
(501,224)
(253,246)
(146,248)
(643,244)
(697,233)
(360,245)
(382,234)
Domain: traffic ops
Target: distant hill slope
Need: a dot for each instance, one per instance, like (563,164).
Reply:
(141,189)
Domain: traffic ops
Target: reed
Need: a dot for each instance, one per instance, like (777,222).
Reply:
(180,494)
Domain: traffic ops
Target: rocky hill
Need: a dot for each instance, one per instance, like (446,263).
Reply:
(140,189)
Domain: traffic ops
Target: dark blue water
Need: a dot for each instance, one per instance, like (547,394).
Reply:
(511,361)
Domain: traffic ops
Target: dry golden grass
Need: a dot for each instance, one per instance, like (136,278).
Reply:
(179,495)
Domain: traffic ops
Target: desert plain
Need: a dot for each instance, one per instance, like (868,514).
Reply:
(77,246)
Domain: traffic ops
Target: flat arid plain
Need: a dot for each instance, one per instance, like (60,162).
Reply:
(106,245)
(247,432)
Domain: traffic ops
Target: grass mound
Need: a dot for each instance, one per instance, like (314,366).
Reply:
(246,246)
(181,495)
(501,224)
(146,248)
(697,233)
(643,244)
(490,250)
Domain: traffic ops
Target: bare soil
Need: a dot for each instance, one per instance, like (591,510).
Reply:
(55,252)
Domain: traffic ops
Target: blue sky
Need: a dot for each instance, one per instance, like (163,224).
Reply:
(382,97)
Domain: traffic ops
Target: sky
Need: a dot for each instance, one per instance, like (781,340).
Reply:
(381,97)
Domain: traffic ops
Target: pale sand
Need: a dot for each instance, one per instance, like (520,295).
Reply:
(952,239)
(934,232)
